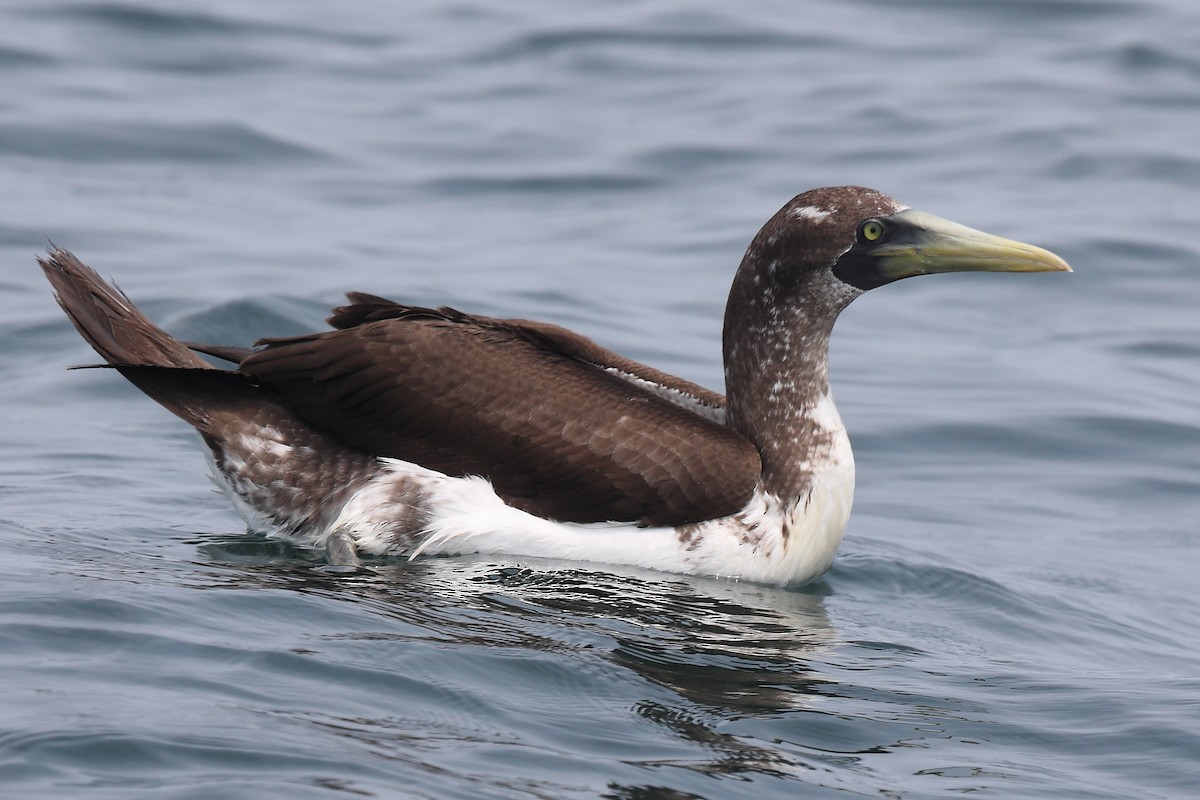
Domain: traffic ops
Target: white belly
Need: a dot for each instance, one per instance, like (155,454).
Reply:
(408,510)
(768,541)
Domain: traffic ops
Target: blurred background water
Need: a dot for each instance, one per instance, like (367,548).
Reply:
(1014,611)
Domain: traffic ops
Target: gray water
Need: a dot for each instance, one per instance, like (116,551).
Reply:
(1014,610)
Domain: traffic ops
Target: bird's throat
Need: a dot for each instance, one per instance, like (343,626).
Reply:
(777,392)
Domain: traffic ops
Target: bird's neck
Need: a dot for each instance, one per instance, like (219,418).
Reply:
(777,386)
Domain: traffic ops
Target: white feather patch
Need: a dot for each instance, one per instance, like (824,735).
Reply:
(811,213)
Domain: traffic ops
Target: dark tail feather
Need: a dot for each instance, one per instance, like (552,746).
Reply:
(204,397)
(235,415)
(153,360)
(110,323)
(224,352)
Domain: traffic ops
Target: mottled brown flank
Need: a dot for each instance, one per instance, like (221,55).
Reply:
(409,513)
(292,474)
(751,535)
(690,535)
(300,488)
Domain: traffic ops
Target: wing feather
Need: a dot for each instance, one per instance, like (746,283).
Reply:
(534,408)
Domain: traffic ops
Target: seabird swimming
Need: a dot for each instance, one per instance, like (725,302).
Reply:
(409,430)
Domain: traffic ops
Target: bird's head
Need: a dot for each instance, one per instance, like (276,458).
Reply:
(866,239)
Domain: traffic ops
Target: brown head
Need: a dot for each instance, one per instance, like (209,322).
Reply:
(827,246)
(807,263)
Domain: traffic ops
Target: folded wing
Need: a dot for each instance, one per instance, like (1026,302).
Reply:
(563,428)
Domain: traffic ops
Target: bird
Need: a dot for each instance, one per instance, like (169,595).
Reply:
(405,430)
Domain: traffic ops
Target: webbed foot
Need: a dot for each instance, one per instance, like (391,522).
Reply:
(341,551)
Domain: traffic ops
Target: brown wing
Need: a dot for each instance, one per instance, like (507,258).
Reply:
(558,436)
(370,308)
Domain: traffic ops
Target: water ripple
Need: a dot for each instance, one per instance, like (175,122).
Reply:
(1013,614)
(212,143)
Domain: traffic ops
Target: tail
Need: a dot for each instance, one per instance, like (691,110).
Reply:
(289,475)
(150,358)
(105,317)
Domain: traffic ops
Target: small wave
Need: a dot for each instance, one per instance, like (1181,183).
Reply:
(540,185)
(213,143)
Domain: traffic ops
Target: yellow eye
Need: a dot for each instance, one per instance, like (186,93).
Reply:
(871,230)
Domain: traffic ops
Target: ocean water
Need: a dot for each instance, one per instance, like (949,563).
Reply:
(1014,611)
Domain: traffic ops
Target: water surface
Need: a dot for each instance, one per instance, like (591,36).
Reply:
(1014,610)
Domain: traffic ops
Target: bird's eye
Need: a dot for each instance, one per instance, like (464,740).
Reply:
(871,230)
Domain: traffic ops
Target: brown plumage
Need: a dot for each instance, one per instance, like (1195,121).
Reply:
(354,437)
(452,392)
(449,391)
